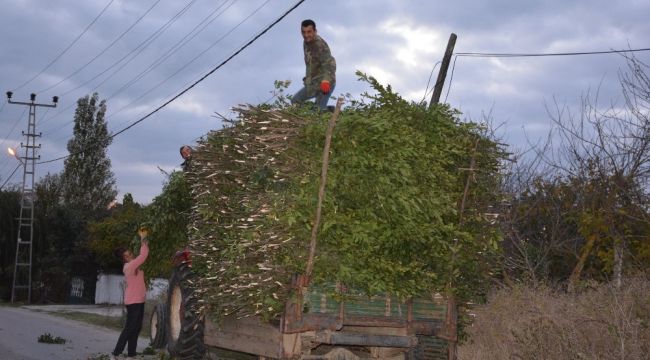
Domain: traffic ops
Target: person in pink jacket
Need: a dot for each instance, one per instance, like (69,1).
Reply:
(134,295)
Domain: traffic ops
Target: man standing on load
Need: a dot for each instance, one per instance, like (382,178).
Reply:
(320,75)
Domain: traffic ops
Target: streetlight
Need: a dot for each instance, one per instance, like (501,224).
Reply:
(13,153)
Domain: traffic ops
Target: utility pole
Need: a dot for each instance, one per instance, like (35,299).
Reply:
(23,264)
(442,74)
(450,329)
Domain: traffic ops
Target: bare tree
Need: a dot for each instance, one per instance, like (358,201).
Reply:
(606,154)
(584,188)
(537,235)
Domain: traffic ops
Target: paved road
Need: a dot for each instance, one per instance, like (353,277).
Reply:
(20,329)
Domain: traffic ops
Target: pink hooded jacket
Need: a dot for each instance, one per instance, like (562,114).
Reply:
(136,291)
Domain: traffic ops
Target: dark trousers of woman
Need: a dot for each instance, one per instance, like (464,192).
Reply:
(131,331)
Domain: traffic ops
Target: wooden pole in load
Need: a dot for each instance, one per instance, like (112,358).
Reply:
(442,74)
(321,190)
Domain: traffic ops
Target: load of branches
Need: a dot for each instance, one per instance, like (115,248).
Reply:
(398,173)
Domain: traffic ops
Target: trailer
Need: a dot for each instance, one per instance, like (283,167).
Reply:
(317,323)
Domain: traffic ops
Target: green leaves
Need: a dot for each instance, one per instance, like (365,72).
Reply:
(167,216)
(390,214)
(117,229)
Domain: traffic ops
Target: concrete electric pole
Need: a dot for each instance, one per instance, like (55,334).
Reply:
(23,264)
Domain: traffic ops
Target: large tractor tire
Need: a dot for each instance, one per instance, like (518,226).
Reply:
(184,326)
(158,322)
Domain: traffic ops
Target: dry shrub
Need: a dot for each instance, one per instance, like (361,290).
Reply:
(599,322)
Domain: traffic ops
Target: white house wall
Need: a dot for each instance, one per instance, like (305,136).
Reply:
(110,289)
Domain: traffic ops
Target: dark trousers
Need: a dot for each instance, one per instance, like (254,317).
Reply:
(320,100)
(131,331)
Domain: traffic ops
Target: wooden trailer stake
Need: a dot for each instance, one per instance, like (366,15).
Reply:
(321,191)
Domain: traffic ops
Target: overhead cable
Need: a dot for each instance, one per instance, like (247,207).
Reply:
(10,176)
(67,48)
(255,38)
(104,50)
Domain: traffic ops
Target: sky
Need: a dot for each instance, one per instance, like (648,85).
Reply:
(139,54)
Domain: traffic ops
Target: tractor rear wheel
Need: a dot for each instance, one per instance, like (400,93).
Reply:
(184,325)
(157,321)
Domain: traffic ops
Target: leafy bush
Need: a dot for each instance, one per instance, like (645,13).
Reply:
(168,216)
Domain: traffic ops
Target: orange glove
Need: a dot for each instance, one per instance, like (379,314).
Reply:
(325,87)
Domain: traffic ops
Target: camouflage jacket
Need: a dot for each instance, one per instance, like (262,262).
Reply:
(320,64)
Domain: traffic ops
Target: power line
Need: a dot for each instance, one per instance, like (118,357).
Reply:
(140,48)
(269,27)
(10,176)
(13,128)
(214,69)
(170,52)
(175,48)
(479,54)
(511,55)
(5,162)
(184,66)
(67,48)
(105,49)
(426,90)
(157,62)
(451,77)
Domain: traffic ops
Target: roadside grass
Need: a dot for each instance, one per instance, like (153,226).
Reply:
(14,305)
(110,322)
(115,323)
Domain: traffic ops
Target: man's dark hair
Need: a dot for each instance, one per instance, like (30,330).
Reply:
(308,22)
(119,252)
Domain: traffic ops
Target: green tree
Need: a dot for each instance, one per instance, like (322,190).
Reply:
(88,182)
(168,217)
(88,185)
(117,229)
(55,228)
(9,210)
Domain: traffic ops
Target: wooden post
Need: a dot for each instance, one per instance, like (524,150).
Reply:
(451,318)
(442,74)
(321,191)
